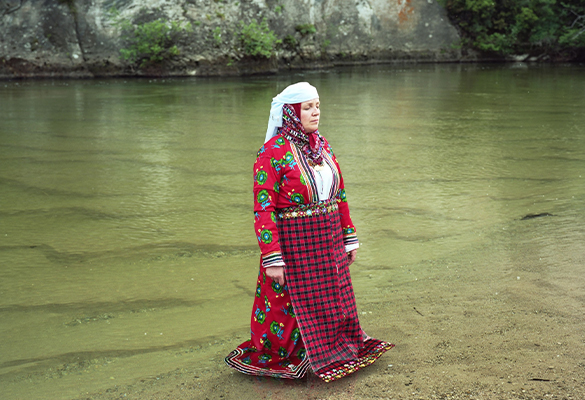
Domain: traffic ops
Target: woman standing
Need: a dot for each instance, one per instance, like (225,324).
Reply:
(304,312)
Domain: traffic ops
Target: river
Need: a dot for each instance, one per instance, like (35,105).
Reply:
(127,250)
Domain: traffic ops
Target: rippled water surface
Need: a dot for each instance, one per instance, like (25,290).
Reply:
(126,241)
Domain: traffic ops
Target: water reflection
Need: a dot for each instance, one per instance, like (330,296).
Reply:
(126,235)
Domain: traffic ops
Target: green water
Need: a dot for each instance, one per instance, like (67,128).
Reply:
(126,241)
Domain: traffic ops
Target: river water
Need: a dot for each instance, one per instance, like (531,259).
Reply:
(126,242)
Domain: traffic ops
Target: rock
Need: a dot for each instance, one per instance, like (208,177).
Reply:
(531,216)
(79,38)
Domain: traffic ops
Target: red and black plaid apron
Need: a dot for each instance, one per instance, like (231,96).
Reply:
(318,286)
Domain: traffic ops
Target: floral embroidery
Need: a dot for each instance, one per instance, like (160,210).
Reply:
(266,236)
(297,198)
(283,178)
(261,177)
(349,230)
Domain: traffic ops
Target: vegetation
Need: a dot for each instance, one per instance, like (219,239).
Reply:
(555,28)
(258,40)
(306,29)
(150,43)
(290,42)
(217,36)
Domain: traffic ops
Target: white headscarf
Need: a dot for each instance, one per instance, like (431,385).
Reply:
(293,94)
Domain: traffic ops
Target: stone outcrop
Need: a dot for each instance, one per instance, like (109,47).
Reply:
(79,38)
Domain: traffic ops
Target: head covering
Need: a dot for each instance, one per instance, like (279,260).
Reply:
(311,144)
(293,94)
(297,108)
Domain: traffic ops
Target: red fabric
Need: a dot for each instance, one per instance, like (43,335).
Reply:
(297,108)
(317,276)
(313,136)
(276,347)
(368,354)
(283,178)
(323,329)
(311,144)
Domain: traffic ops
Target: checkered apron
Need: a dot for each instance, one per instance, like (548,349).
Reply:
(318,285)
(318,279)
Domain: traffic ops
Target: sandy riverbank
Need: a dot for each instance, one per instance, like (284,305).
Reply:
(513,332)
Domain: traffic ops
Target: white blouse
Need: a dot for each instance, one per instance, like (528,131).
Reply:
(324,181)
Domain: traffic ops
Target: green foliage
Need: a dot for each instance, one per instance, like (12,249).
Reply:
(278,9)
(535,27)
(258,40)
(290,41)
(150,43)
(217,36)
(306,29)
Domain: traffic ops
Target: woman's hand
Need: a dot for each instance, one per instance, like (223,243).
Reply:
(276,273)
(351,256)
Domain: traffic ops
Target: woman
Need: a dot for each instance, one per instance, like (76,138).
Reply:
(304,313)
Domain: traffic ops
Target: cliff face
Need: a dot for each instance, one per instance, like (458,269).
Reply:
(79,38)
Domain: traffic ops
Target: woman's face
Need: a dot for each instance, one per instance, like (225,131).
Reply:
(310,115)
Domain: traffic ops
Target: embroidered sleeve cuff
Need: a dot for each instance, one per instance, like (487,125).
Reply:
(350,247)
(272,260)
(350,239)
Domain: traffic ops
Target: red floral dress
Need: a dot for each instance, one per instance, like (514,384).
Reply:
(312,321)
(283,178)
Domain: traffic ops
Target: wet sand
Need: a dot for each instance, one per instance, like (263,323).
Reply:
(504,320)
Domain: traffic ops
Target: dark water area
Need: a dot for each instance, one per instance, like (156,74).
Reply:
(126,242)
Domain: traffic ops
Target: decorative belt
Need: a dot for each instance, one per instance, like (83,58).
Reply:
(308,210)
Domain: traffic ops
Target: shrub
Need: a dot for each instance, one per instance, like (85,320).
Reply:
(217,36)
(290,41)
(150,43)
(306,29)
(520,26)
(258,40)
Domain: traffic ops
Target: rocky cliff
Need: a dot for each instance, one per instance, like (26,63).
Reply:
(80,38)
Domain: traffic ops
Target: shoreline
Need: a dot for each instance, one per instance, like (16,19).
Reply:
(18,69)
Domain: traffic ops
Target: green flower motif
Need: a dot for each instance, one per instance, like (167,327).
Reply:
(266,236)
(262,196)
(260,316)
(342,196)
(282,353)
(247,360)
(288,157)
(258,290)
(276,187)
(274,327)
(261,177)
(265,357)
(347,231)
(295,335)
(303,180)
(273,216)
(297,198)
(280,141)
(267,344)
(274,162)
(277,288)
(301,354)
